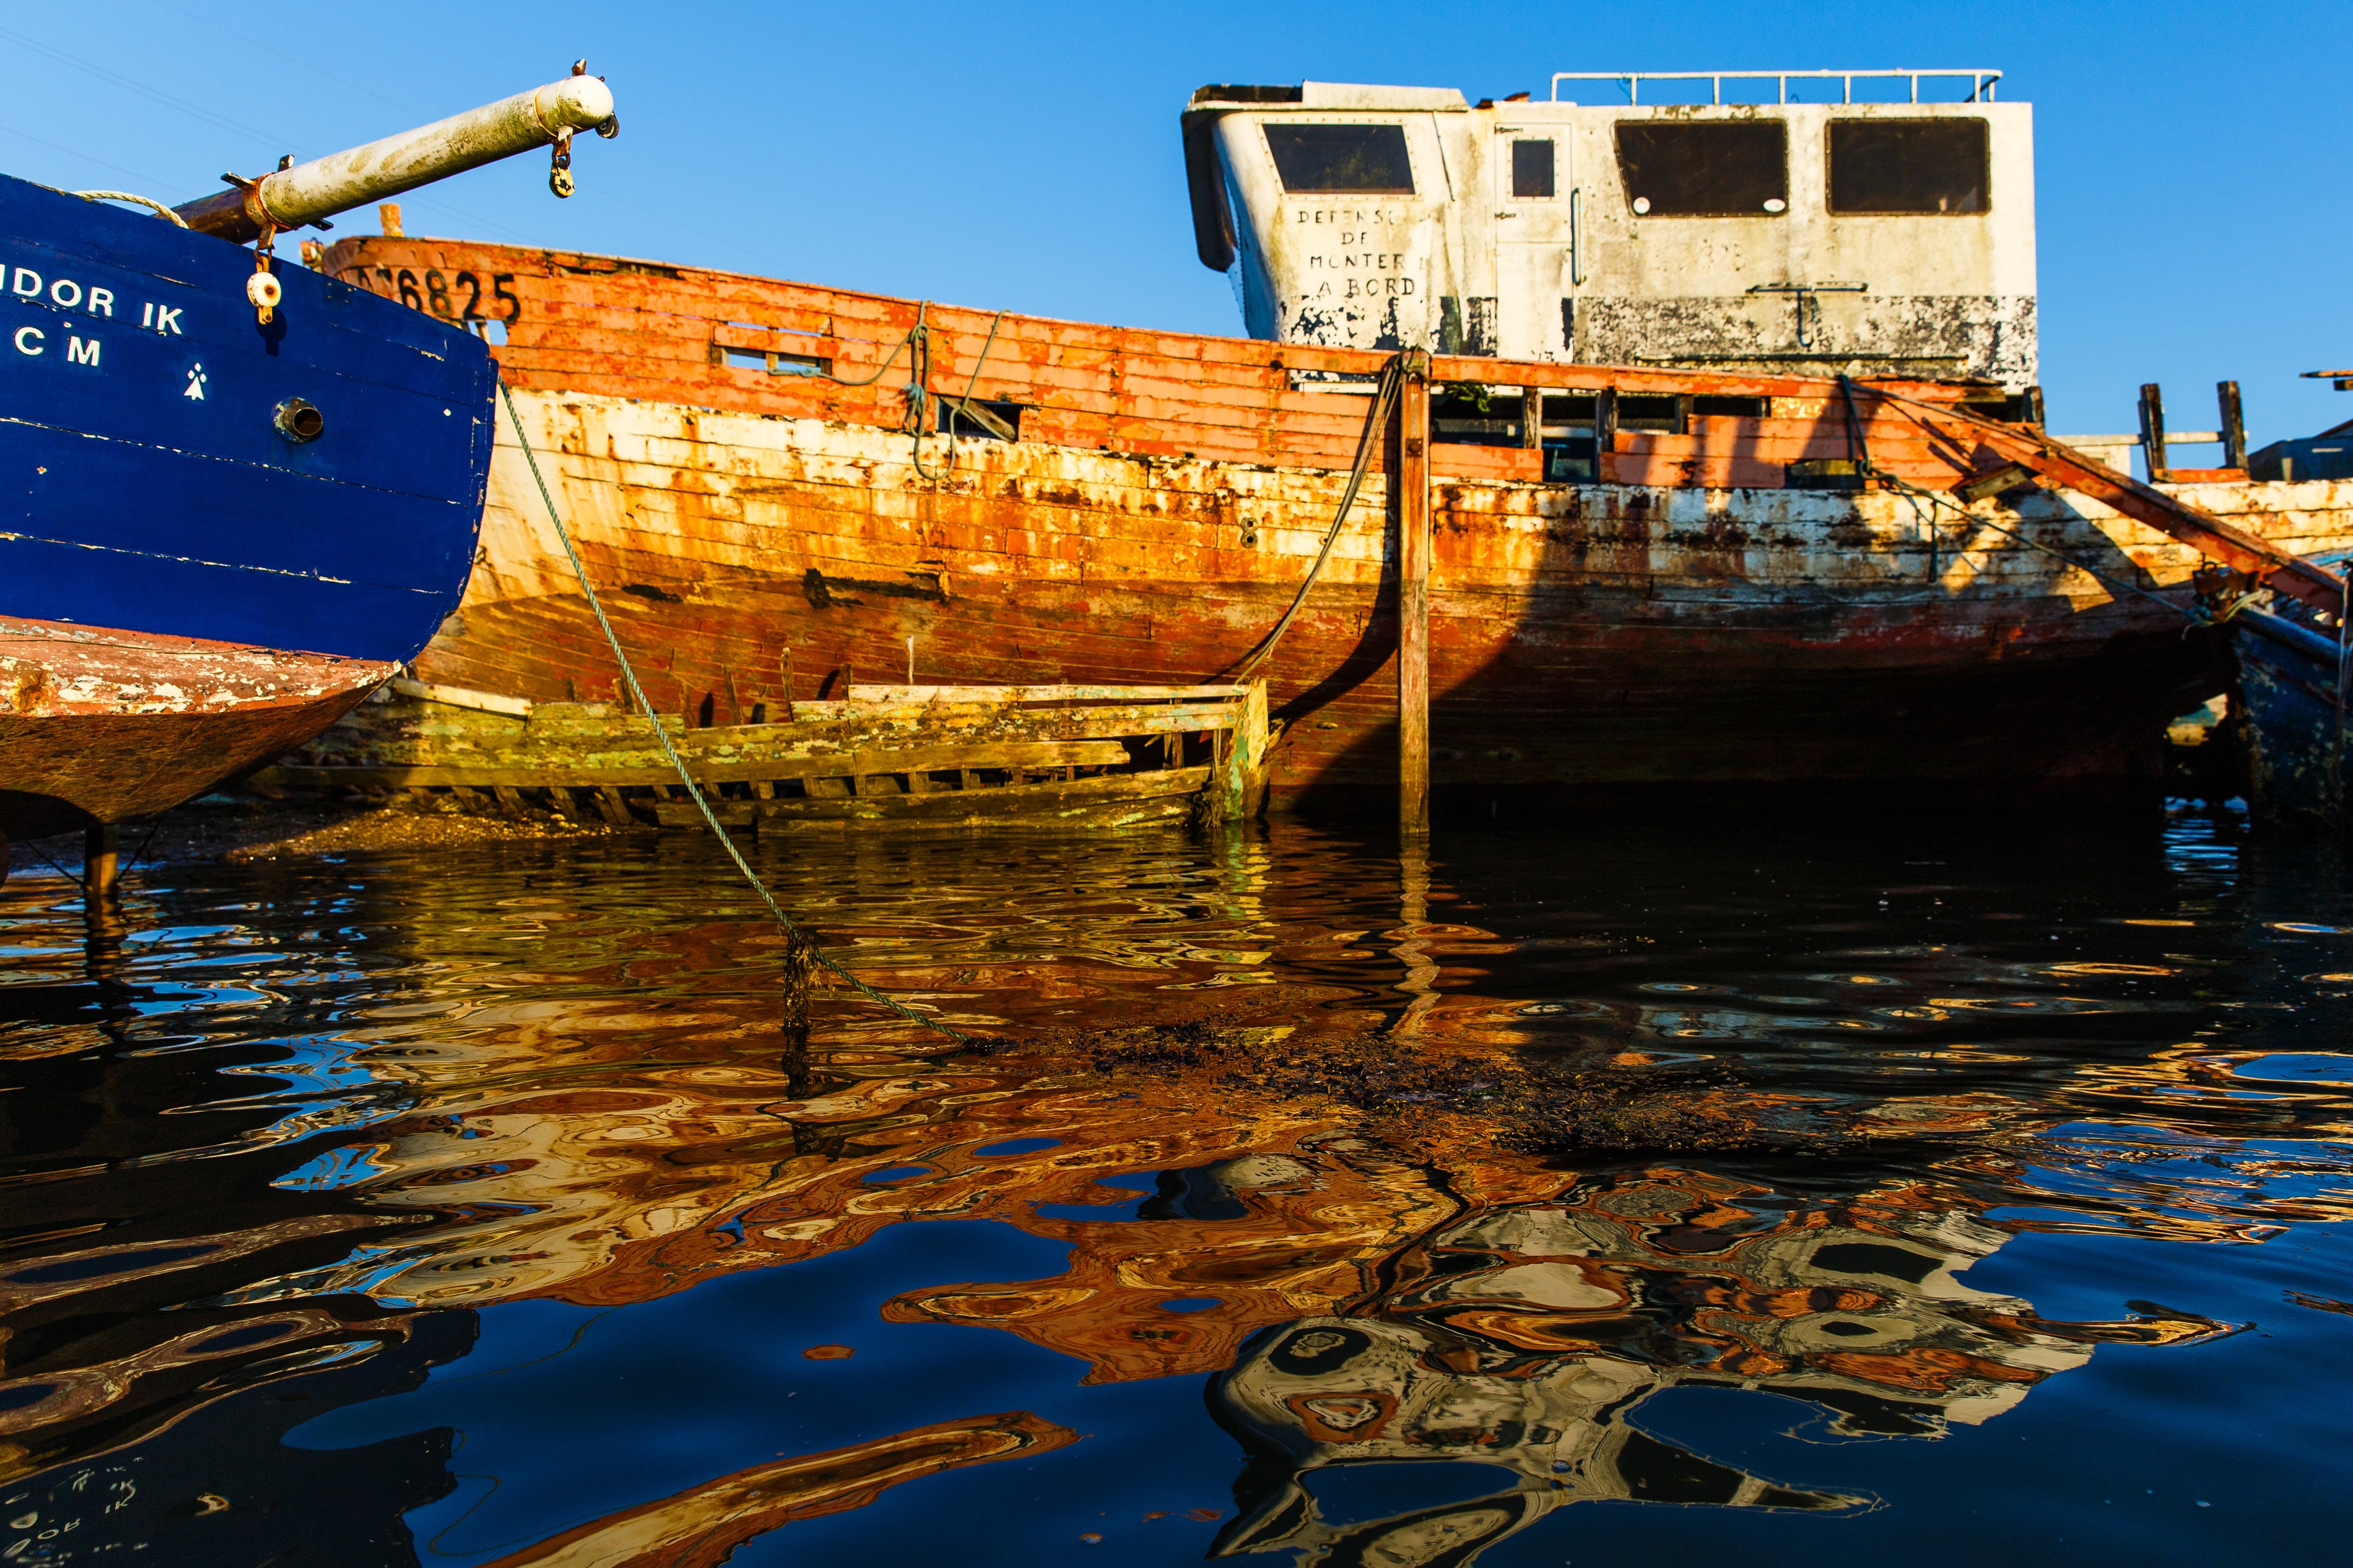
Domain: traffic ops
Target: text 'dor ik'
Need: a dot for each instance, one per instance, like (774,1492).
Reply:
(65,294)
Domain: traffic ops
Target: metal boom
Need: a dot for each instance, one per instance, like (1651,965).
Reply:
(307,193)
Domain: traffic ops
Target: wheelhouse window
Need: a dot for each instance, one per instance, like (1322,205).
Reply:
(1719,168)
(1531,170)
(1908,167)
(1342,160)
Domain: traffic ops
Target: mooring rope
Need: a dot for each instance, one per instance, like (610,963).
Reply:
(1384,399)
(629,673)
(161,210)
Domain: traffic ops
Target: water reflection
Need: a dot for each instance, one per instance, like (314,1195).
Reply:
(306,1135)
(1525,1336)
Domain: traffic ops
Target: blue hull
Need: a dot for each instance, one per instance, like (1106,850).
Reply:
(2285,697)
(151,488)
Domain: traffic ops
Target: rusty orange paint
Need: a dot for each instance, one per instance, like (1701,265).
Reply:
(1692,619)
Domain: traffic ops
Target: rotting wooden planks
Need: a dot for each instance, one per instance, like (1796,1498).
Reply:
(985,755)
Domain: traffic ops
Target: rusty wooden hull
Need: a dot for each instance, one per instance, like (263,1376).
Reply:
(1691,618)
(100,725)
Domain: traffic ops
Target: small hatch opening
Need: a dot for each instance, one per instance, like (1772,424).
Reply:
(979,419)
(775,363)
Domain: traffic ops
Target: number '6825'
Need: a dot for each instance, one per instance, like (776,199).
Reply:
(453,298)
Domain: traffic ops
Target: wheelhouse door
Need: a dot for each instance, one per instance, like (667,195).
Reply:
(1535,208)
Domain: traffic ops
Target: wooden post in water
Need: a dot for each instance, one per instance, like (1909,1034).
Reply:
(101,861)
(1413,595)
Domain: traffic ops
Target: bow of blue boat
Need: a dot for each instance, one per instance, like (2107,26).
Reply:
(313,484)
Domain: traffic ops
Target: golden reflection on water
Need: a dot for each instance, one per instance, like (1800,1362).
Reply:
(539,1098)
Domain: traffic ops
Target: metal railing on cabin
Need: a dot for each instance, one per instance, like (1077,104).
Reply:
(1982,83)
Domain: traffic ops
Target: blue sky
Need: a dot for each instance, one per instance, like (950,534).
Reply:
(2191,158)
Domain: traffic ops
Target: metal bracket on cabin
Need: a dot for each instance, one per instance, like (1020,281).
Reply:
(1807,305)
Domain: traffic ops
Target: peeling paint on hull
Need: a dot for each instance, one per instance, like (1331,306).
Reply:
(97,725)
(1153,520)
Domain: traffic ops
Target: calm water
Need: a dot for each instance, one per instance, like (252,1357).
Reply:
(469,1208)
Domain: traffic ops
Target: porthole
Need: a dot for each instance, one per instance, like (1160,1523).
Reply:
(299,419)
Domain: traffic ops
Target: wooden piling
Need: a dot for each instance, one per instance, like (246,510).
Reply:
(1413,595)
(100,860)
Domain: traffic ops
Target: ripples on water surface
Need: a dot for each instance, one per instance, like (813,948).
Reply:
(412,1210)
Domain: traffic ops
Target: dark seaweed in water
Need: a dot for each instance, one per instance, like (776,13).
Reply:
(1531,1104)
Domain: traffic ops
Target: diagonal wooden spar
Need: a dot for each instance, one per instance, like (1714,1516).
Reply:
(2279,569)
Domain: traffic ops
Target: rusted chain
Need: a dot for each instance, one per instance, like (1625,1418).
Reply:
(793,932)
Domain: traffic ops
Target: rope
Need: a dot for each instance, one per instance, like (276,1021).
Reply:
(661,736)
(152,828)
(132,197)
(1392,377)
(60,871)
(917,345)
(971,381)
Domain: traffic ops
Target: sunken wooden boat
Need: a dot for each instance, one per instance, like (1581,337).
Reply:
(936,757)
(1642,575)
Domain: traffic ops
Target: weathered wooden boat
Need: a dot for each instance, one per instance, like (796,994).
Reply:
(1692,566)
(922,756)
(2288,702)
(250,491)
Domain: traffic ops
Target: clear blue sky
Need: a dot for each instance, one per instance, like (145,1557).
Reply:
(2191,158)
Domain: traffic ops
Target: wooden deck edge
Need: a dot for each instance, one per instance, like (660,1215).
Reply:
(1060,801)
(767,770)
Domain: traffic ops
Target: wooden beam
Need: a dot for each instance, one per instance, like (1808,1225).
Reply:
(2061,465)
(2234,425)
(2152,431)
(1010,694)
(1413,595)
(984,754)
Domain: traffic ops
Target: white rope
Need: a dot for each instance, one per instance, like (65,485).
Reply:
(133,196)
